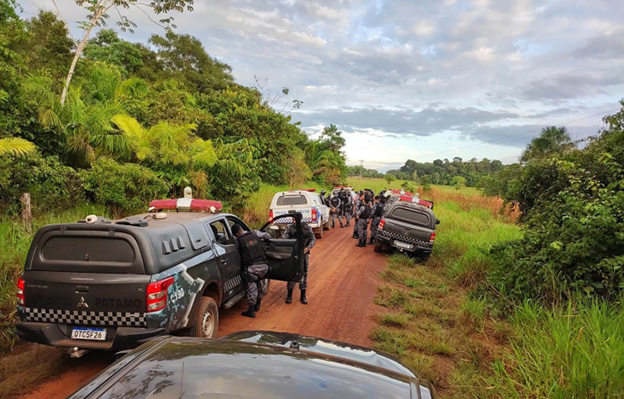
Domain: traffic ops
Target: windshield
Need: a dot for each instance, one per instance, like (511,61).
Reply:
(292,199)
(411,216)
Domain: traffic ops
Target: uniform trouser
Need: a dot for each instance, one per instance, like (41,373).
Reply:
(255,273)
(335,215)
(348,216)
(374,226)
(361,225)
(303,284)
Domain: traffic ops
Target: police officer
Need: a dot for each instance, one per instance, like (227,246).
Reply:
(253,260)
(335,206)
(358,203)
(363,214)
(347,207)
(376,213)
(308,242)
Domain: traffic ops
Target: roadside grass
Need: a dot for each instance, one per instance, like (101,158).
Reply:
(431,320)
(14,244)
(568,352)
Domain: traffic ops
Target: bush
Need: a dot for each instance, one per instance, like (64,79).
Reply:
(123,188)
(51,184)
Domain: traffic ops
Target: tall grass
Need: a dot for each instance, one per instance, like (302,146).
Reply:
(572,352)
(14,244)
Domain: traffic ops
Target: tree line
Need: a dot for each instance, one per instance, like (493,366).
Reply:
(139,121)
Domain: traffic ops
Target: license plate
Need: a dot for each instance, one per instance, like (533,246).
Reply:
(95,334)
(403,245)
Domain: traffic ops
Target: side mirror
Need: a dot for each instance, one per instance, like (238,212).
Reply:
(437,221)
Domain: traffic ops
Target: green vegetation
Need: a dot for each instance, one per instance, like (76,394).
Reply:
(447,319)
(445,172)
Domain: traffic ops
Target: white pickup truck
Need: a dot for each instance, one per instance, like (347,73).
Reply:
(307,202)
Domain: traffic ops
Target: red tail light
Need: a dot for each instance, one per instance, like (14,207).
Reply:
(432,238)
(270,215)
(382,222)
(20,292)
(156,296)
(314,214)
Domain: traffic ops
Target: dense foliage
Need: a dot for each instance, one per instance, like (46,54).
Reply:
(164,113)
(572,205)
(444,171)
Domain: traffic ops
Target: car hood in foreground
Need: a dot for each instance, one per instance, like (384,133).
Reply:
(193,368)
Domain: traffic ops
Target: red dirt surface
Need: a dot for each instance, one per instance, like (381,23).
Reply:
(342,282)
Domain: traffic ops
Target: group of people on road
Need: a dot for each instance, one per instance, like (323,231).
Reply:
(367,211)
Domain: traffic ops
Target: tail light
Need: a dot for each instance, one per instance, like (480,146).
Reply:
(157,294)
(270,215)
(382,222)
(20,292)
(314,214)
(432,237)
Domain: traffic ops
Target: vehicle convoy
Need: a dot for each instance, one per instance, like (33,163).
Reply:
(255,364)
(307,202)
(407,224)
(111,285)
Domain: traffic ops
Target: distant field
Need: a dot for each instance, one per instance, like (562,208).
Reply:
(379,184)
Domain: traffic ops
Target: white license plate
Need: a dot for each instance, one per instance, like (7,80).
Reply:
(403,245)
(95,334)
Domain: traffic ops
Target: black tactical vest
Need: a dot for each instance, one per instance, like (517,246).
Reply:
(334,202)
(366,213)
(378,210)
(251,248)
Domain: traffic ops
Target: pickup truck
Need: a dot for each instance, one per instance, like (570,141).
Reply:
(307,202)
(408,224)
(111,285)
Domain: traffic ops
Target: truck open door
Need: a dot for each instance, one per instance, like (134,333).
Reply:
(285,256)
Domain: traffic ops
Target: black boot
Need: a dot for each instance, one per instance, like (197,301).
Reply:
(348,224)
(289,296)
(361,244)
(258,304)
(303,297)
(371,241)
(341,226)
(250,312)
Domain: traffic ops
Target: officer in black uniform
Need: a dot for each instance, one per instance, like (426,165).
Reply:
(358,203)
(309,241)
(376,212)
(335,208)
(347,207)
(363,214)
(254,262)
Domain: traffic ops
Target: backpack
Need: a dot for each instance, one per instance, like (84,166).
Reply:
(379,210)
(251,248)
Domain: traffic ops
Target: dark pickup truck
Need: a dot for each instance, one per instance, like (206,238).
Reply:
(112,285)
(407,224)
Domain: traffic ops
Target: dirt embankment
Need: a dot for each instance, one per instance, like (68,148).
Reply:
(343,280)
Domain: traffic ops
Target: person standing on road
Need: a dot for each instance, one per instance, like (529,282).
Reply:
(376,213)
(363,214)
(254,264)
(335,205)
(358,202)
(308,241)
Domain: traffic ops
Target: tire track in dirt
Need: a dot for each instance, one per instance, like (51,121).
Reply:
(343,280)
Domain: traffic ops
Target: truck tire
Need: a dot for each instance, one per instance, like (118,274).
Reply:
(207,319)
(319,232)
(326,225)
(377,247)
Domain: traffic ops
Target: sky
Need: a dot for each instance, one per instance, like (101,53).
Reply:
(415,79)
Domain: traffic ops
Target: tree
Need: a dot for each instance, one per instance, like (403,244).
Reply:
(459,182)
(552,140)
(99,10)
(389,178)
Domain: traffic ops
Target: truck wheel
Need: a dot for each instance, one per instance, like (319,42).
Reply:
(377,247)
(207,319)
(319,232)
(326,226)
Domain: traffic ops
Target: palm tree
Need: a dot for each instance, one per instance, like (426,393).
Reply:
(552,140)
(16,146)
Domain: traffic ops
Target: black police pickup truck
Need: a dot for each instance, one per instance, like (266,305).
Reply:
(112,285)
(408,224)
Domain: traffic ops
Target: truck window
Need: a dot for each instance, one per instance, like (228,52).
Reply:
(292,199)
(411,216)
(221,233)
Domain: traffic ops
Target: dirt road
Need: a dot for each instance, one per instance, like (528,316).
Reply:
(342,283)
